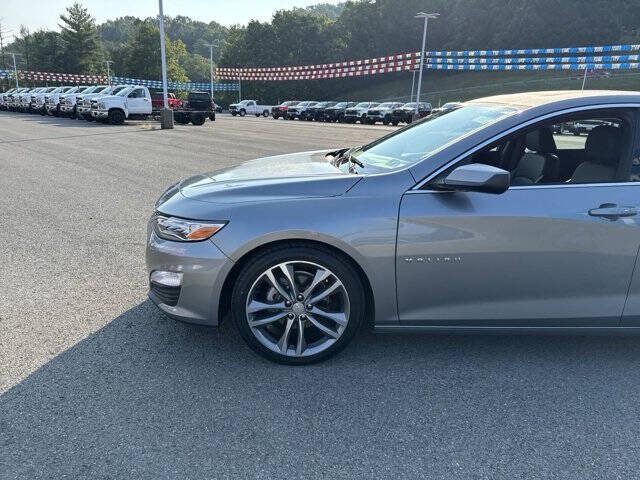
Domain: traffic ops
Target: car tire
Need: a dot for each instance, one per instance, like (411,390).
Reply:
(243,112)
(265,114)
(233,114)
(321,342)
(116,117)
(198,119)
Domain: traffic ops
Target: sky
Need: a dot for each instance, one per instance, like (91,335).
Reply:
(36,14)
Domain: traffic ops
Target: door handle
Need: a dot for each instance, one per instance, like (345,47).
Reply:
(612,211)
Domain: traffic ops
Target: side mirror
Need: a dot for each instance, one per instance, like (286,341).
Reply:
(476,177)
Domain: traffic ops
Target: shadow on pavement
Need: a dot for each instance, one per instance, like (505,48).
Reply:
(146,397)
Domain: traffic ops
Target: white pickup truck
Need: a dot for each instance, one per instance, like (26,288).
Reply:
(250,107)
(133,102)
(83,101)
(52,100)
(69,102)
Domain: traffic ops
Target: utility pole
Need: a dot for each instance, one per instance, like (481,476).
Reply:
(166,117)
(239,90)
(108,71)
(15,69)
(413,81)
(211,67)
(426,17)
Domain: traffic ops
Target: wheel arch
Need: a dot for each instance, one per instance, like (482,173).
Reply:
(227,286)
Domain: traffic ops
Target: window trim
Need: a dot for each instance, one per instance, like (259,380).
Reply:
(417,188)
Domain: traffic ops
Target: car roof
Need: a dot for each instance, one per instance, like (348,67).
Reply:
(528,100)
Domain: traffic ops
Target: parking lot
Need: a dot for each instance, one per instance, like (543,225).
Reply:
(96,383)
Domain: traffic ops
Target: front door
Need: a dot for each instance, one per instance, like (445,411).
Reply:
(137,101)
(538,255)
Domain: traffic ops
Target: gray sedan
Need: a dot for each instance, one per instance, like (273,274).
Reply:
(482,218)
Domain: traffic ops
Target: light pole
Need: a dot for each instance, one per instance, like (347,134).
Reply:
(426,17)
(211,66)
(166,116)
(413,85)
(15,69)
(108,71)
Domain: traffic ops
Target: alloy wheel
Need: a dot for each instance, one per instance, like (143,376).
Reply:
(297,308)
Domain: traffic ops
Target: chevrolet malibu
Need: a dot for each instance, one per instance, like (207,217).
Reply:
(477,219)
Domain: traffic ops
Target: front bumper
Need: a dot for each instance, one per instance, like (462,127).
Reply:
(204,268)
(100,113)
(51,108)
(37,106)
(67,108)
(83,110)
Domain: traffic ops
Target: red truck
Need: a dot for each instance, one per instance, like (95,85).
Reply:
(157,101)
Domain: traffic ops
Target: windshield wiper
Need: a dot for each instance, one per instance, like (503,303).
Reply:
(347,157)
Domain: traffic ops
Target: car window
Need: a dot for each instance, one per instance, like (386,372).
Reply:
(136,93)
(589,148)
(420,140)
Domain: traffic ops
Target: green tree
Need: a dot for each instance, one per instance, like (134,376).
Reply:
(142,56)
(82,52)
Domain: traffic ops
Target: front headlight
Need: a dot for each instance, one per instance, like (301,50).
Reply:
(181,230)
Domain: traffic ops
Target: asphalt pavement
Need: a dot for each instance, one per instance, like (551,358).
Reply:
(95,383)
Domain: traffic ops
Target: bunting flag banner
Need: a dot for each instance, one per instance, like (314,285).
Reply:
(317,75)
(447,60)
(71,78)
(190,86)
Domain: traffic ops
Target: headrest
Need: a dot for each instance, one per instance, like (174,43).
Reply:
(604,145)
(541,141)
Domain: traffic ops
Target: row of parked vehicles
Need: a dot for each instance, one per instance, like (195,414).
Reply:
(370,113)
(106,103)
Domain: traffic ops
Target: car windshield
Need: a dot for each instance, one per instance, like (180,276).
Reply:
(89,89)
(363,105)
(340,105)
(124,91)
(387,105)
(421,140)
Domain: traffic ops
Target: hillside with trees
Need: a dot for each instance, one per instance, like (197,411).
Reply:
(319,34)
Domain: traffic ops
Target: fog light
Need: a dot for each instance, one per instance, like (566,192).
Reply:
(168,279)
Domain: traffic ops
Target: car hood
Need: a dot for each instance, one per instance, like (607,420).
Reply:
(299,175)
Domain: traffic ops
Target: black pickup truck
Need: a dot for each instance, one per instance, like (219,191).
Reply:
(406,112)
(196,109)
(336,113)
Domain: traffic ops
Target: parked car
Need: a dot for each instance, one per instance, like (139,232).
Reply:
(157,101)
(316,112)
(250,107)
(406,112)
(336,113)
(83,101)
(299,110)
(13,99)
(37,99)
(198,107)
(3,98)
(358,113)
(133,102)
(428,229)
(68,101)
(24,99)
(582,127)
(52,100)
(280,111)
(382,113)
(447,107)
